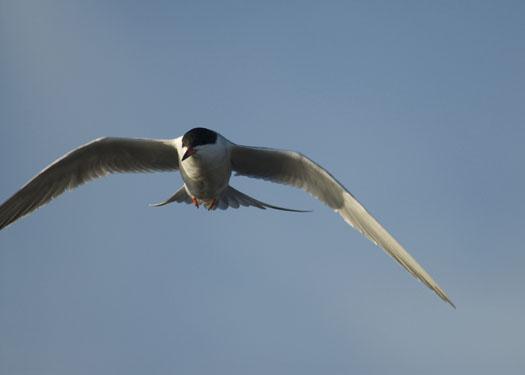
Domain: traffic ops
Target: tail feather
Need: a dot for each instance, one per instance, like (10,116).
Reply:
(234,198)
(181,196)
(230,198)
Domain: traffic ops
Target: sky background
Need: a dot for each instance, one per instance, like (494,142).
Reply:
(417,107)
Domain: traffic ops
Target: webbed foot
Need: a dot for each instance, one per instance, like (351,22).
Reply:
(195,202)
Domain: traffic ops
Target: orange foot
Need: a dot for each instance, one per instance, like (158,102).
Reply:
(212,205)
(195,202)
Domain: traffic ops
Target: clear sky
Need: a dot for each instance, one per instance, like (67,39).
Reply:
(417,107)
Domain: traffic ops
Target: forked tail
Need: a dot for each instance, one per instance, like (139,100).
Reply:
(234,198)
(230,197)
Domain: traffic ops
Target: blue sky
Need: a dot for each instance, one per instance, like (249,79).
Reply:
(415,106)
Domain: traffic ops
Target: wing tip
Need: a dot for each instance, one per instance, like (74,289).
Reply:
(444,297)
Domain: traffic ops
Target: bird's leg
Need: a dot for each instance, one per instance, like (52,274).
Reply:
(195,202)
(212,205)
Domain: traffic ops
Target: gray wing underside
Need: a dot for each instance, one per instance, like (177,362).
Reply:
(295,169)
(92,160)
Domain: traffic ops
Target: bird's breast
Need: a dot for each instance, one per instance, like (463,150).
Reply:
(194,168)
(206,178)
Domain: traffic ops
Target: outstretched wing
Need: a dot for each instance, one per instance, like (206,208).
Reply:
(292,168)
(92,160)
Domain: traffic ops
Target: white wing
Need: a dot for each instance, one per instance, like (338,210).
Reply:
(92,160)
(292,168)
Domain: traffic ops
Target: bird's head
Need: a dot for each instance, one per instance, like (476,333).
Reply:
(196,139)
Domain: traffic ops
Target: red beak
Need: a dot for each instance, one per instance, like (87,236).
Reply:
(190,151)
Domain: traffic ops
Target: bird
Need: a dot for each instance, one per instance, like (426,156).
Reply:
(206,161)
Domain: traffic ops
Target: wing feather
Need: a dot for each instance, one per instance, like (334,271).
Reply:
(295,169)
(92,160)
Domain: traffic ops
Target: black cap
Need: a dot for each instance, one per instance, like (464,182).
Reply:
(199,136)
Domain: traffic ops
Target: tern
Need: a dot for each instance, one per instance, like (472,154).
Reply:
(206,160)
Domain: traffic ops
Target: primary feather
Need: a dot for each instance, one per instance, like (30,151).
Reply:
(293,168)
(92,160)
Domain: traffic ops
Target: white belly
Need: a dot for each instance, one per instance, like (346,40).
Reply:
(194,168)
(207,173)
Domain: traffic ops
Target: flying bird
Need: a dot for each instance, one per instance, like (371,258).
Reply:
(206,160)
